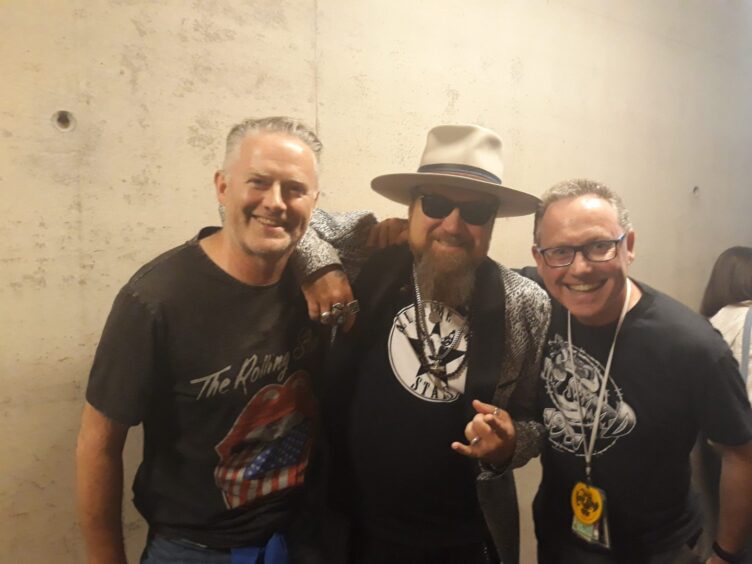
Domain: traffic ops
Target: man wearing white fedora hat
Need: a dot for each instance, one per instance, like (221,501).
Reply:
(444,336)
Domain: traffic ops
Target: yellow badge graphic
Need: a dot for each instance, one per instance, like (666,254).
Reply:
(587,503)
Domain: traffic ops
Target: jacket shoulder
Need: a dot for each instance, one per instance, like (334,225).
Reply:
(524,297)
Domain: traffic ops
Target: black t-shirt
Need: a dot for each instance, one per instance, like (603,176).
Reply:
(220,373)
(403,481)
(672,375)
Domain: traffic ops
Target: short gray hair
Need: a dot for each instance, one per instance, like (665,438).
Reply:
(574,189)
(274,124)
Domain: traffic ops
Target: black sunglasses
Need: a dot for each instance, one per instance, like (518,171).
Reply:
(473,213)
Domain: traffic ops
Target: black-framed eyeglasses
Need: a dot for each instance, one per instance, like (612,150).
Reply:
(474,213)
(597,251)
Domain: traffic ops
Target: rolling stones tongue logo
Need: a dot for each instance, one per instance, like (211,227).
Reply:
(268,447)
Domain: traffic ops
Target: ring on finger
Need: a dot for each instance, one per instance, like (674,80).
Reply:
(337,308)
(338,314)
(325,317)
(496,412)
(352,307)
(474,441)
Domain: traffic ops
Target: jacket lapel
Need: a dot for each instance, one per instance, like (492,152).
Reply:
(487,324)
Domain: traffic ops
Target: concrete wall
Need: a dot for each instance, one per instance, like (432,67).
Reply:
(651,96)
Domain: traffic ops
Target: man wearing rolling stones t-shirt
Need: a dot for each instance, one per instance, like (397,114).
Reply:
(210,348)
(629,378)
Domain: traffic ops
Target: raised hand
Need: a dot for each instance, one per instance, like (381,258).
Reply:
(490,434)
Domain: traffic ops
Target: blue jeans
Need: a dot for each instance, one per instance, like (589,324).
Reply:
(160,550)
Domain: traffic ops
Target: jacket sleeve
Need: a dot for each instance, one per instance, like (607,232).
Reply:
(334,239)
(529,316)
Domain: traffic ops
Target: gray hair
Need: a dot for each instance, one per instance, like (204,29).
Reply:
(274,124)
(574,189)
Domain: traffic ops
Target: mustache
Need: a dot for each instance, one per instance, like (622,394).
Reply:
(452,240)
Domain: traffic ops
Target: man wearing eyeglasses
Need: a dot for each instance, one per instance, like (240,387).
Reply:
(629,378)
(442,362)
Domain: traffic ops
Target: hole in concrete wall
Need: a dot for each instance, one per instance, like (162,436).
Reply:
(695,190)
(64,120)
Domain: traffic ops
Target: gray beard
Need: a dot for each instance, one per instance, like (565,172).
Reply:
(450,282)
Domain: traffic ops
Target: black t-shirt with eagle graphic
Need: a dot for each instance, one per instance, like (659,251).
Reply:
(392,423)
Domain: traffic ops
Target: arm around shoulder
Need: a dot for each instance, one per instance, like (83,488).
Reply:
(99,478)
(334,239)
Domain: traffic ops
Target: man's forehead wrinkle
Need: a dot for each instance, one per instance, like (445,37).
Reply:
(574,229)
(269,168)
(292,144)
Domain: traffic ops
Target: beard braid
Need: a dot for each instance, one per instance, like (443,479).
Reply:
(449,280)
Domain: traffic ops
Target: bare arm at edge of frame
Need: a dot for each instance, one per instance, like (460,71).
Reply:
(99,480)
(735,497)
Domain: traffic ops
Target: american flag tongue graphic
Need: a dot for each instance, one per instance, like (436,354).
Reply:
(267,448)
(283,452)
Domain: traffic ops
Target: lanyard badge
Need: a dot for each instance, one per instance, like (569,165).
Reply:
(590,518)
(589,511)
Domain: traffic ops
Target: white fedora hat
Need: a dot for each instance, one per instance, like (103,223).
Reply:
(463,156)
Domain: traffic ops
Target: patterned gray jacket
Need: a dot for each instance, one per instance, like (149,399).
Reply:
(341,239)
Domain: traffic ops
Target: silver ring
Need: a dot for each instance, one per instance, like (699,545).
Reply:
(352,307)
(475,441)
(338,314)
(324,317)
(496,412)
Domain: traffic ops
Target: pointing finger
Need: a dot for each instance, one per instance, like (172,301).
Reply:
(496,426)
(483,408)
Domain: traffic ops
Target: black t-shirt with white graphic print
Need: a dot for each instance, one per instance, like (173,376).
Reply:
(405,483)
(221,376)
(672,375)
